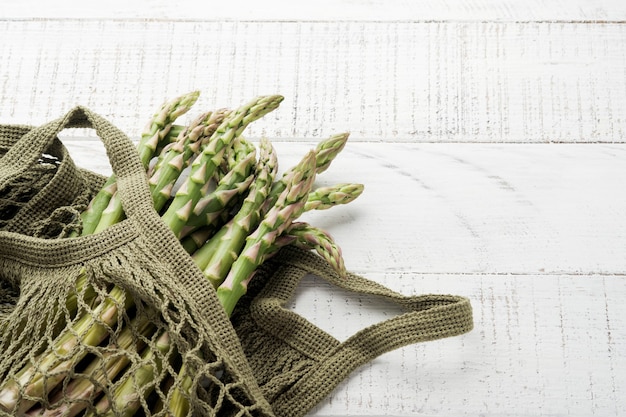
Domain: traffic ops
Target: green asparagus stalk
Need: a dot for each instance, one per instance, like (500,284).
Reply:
(157,129)
(205,165)
(127,399)
(198,237)
(178,155)
(51,368)
(328,149)
(173,159)
(74,398)
(289,205)
(324,198)
(213,210)
(306,236)
(325,152)
(179,404)
(155,132)
(310,237)
(216,256)
(91,216)
(210,207)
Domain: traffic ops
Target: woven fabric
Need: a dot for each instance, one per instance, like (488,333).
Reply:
(132,292)
(134,276)
(298,364)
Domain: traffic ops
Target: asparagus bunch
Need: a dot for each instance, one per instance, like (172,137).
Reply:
(231,213)
(158,132)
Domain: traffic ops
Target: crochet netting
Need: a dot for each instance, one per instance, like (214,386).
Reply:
(21,210)
(83,319)
(122,323)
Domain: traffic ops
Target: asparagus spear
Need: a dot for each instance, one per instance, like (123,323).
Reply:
(328,149)
(205,165)
(155,132)
(288,206)
(80,391)
(310,237)
(239,177)
(213,210)
(127,399)
(178,155)
(325,152)
(35,380)
(324,198)
(218,254)
(173,159)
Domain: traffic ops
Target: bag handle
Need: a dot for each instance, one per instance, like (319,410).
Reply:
(132,185)
(428,317)
(122,153)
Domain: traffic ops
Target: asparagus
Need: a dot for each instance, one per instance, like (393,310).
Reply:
(91,216)
(328,149)
(37,379)
(157,129)
(287,207)
(310,237)
(205,165)
(155,132)
(218,254)
(79,392)
(324,198)
(210,207)
(177,156)
(173,159)
(213,210)
(127,399)
(179,404)
(325,152)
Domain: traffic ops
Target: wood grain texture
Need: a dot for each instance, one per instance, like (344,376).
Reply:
(383,81)
(470,208)
(327,10)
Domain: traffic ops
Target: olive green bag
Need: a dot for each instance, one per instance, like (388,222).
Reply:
(264,361)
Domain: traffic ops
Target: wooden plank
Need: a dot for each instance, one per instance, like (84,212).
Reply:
(329,10)
(471,208)
(383,81)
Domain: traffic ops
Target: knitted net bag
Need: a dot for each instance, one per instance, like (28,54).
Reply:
(84,319)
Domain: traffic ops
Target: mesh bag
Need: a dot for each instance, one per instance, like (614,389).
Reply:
(123,323)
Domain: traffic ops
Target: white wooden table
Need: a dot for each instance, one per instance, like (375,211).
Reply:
(490,136)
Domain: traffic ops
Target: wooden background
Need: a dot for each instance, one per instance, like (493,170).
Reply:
(490,136)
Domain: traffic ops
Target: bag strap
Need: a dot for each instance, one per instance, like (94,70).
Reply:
(428,317)
(122,153)
(132,186)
